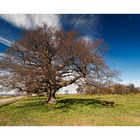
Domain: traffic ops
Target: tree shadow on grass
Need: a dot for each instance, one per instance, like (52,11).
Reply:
(69,103)
(62,105)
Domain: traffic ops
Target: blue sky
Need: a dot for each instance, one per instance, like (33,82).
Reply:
(120,32)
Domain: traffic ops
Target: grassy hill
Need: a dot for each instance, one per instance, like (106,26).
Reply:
(77,110)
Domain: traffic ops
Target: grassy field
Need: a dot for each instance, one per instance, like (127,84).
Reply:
(73,110)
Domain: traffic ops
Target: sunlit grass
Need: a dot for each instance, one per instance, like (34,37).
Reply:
(73,110)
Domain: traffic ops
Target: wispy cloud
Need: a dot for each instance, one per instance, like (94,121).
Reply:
(5,41)
(83,21)
(30,21)
(87,25)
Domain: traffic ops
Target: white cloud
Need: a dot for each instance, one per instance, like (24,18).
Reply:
(135,82)
(87,38)
(8,91)
(30,21)
(70,89)
(5,41)
(2,54)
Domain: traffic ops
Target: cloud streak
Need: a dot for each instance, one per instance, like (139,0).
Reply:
(31,21)
(83,21)
(5,41)
(87,25)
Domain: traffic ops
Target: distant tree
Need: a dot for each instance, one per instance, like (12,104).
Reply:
(98,90)
(119,89)
(66,91)
(106,90)
(131,88)
(80,89)
(90,90)
(46,60)
(138,89)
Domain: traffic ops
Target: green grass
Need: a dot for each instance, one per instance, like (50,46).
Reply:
(77,110)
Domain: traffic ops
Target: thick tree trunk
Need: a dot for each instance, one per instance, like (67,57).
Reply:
(51,98)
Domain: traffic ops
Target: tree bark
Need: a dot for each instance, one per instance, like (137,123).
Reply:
(51,97)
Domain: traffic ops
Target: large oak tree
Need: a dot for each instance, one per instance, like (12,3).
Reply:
(46,60)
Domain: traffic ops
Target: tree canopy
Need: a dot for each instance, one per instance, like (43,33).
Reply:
(46,59)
